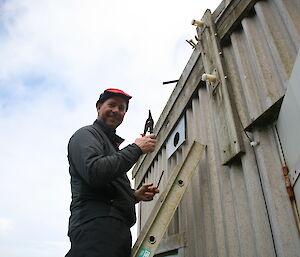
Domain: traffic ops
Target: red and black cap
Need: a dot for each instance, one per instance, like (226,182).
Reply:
(110,92)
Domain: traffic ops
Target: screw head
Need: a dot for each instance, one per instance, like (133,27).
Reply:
(180,183)
(152,239)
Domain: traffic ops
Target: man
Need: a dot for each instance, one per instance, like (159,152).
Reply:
(103,203)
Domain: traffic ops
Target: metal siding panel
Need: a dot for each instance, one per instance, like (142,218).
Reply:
(283,225)
(288,129)
(235,80)
(242,209)
(164,168)
(259,58)
(193,224)
(289,12)
(278,39)
(255,53)
(205,209)
(264,71)
(245,71)
(257,207)
(221,197)
(215,167)
(230,219)
(206,230)
(189,208)
(289,121)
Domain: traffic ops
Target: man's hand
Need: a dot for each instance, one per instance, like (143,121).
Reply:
(146,192)
(146,143)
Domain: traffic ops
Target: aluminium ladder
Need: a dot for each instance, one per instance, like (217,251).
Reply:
(165,207)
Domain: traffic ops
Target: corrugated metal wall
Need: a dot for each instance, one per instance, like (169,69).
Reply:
(236,204)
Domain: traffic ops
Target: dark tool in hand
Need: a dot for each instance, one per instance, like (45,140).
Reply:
(148,125)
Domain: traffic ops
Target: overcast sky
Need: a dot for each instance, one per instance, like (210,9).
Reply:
(56,57)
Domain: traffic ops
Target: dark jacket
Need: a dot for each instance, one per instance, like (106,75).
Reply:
(99,184)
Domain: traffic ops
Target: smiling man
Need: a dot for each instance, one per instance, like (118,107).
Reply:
(103,203)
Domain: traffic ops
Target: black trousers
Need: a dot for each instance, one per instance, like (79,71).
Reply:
(101,237)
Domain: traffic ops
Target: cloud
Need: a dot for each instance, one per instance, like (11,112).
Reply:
(6,226)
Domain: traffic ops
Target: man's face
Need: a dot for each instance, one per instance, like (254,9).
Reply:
(112,111)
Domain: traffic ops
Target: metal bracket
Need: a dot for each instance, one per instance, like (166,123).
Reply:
(288,183)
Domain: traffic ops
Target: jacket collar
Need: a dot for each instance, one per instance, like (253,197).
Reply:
(110,132)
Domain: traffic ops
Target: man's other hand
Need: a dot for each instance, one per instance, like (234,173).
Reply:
(146,143)
(146,192)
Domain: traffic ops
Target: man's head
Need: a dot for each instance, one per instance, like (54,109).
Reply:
(112,106)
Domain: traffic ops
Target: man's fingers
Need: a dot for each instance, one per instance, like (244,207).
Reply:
(152,189)
(148,185)
(151,141)
(149,196)
(153,136)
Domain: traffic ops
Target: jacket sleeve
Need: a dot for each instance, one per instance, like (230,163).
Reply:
(87,156)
